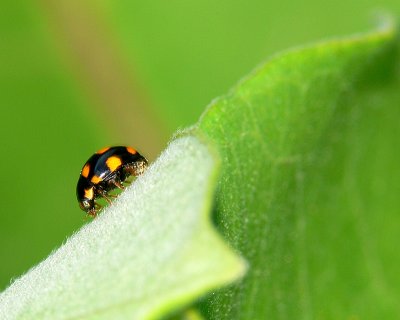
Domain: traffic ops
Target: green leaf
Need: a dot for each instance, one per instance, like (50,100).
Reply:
(309,190)
(308,194)
(152,251)
(190,314)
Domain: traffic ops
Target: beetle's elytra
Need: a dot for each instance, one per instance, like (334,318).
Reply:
(107,170)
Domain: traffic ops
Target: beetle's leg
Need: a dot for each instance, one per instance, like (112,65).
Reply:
(106,196)
(118,184)
(92,212)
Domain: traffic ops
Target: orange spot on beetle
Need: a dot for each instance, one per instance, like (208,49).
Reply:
(89,193)
(101,151)
(113,163)
(96,179)
(85,170)
(131,150)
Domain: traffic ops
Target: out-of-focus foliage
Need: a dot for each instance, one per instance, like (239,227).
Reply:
(189,52)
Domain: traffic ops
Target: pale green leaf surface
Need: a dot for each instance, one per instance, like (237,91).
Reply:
(151,251)
(308,194)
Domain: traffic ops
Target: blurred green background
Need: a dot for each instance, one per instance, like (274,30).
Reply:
(79,75)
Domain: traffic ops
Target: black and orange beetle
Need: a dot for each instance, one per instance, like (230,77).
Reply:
(106,170)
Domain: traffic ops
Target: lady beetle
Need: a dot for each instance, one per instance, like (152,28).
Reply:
(106,170)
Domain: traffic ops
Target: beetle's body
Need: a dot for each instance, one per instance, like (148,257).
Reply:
(106,170)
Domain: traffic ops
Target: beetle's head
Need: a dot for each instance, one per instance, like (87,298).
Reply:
(88,206)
